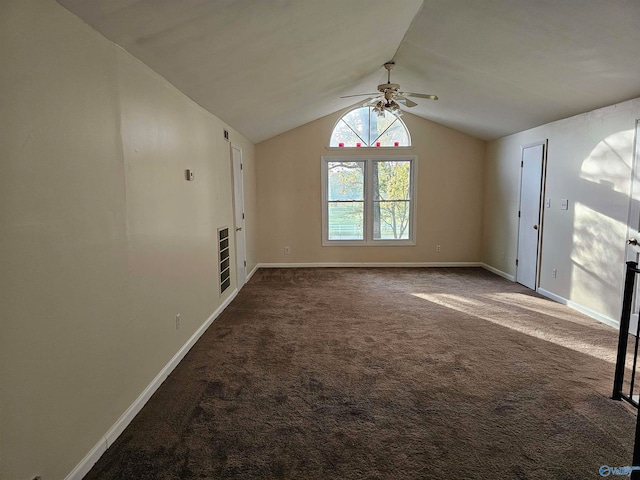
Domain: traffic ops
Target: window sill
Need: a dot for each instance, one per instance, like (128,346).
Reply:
(372,243)
(370,149)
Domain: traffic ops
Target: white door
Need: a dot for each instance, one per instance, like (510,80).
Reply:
(531,177)
(633,228)
(238,213)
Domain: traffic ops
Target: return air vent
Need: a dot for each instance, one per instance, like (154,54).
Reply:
(223,256)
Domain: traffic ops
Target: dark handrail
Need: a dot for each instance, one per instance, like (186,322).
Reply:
(625,318)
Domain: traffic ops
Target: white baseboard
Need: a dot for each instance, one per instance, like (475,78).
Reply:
(502,274)
(255,269)
(557,298)
(370,264)
(114,432)
(88,461)
(580,308)
(571,304)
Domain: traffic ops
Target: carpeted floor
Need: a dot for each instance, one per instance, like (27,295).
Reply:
(384,374)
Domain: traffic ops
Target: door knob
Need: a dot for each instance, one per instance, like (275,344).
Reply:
(238,229)
(535,227)
(633,242)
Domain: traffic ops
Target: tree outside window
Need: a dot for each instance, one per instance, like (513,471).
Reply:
(391,199)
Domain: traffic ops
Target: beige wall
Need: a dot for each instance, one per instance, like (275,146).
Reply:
(102,241)
(589,162)
(449,196)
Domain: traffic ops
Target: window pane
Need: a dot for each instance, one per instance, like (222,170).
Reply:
(396,133)
(346,220)
(391,194)
(345,181)
(358,121)
(343,134)
(392,180)
(380,125)
(391,220)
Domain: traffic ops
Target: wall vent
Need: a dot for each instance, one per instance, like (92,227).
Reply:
(223,256)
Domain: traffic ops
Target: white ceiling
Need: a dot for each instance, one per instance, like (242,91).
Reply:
(498,66)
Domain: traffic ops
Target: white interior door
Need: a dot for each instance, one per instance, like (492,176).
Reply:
(238,212)
(530,202)
(633,228)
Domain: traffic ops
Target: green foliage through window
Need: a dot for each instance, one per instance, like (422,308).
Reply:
(346,200)
(391,199)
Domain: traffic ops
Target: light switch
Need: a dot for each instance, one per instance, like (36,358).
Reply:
(564,204)
(189,175)
(548,203)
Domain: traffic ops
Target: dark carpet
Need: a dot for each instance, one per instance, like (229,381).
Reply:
(377,373)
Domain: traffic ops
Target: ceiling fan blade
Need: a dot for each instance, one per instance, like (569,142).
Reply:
(405,101)
(371,101)
(419,95)
(360,95)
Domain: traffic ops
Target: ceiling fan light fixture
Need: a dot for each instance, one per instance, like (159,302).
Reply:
(394,108)
(379,108)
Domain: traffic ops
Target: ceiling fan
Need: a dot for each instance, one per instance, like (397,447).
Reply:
(391,96)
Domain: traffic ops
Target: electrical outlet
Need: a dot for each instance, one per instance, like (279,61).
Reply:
(554,273)
(178,321)
(287,250)
(438,248)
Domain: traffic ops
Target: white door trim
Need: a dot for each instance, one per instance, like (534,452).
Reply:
(632,253)
(238,216)
(540,216)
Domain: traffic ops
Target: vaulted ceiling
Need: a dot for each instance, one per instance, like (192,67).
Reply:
(498,66)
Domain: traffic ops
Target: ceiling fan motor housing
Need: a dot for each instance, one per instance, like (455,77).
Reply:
(389,90)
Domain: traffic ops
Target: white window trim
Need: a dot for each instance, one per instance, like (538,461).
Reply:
(368,201)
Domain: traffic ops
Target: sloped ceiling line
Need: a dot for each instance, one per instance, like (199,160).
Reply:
(498,67)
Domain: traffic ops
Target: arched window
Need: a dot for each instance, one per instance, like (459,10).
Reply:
(362,127)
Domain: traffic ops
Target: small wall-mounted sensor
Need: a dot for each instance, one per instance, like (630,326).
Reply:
(226,134)
(189,175)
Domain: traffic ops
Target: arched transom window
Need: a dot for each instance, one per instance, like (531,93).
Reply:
(362,127)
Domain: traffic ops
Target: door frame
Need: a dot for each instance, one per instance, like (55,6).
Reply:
(238,216)
(543,185)
(632,252)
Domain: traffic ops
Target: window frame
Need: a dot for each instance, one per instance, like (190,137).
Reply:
(368,143)
(368,239)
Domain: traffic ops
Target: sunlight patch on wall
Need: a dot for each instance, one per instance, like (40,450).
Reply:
(596,237)
(600,223)
(597,245)
(609,163)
